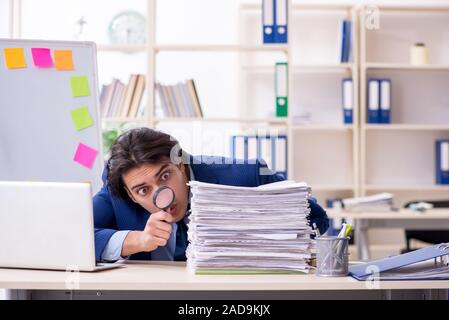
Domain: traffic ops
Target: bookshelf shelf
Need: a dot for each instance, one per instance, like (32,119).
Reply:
(407,127)
(239,120)
(129,48)
(413,9)
(381,188)
(409,67)
(299,7)
(305,68)
(322,127)
(118,119)
(221,48)
(325,188)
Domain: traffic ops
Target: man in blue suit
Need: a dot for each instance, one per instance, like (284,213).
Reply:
(129,225)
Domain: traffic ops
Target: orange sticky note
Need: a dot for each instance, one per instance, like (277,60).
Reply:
(14,58)
(63,59)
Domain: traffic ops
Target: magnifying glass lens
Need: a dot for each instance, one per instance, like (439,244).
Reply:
(164,198)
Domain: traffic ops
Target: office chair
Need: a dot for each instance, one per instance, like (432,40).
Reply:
(429,236)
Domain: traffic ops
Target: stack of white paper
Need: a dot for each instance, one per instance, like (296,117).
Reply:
(377,202)
(243,228)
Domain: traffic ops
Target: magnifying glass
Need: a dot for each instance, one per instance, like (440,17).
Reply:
(163,197)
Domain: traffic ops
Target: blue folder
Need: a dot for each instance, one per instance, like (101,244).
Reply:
(280,21)
(277,165)
(268,7)
(442,161)
(373,101)
(347,94)
(385,101)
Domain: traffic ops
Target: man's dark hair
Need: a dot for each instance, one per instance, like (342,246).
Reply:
(134,148)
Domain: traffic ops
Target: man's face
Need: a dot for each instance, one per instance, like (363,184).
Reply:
(142,182)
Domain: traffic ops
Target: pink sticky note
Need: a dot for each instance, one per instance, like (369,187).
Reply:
(42,57)
(85,155)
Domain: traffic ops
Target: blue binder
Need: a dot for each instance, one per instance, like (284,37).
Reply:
(343,41)
(277,159)
(268,8)
(345,50)
(377,267)
(385,101)
(280,21)
(373,103)
(348,51)
(347,94)
(442,161)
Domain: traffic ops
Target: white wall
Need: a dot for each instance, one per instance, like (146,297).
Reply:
(4,18)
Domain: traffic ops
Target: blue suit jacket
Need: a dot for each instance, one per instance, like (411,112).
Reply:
(112,214)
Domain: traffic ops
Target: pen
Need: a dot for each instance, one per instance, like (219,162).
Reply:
(348,230)
(342,232)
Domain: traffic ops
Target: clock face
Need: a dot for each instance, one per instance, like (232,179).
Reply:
(127,28)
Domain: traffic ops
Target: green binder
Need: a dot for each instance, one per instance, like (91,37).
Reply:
(281,89)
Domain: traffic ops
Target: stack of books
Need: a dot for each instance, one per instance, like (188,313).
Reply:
(262,229)
(180,100)
(119,100)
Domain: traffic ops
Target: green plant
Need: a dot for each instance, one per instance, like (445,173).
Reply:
(110,134)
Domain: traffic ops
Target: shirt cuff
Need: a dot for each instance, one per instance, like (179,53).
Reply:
(113,250)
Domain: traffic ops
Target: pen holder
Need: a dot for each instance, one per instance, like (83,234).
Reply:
(332,256)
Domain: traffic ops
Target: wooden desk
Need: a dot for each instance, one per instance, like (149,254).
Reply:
(435,219)
(173,280)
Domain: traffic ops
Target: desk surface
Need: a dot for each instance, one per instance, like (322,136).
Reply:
(174,276)
(433,214)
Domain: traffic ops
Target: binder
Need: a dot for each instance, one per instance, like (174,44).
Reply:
(385,101)
(280,158)
(268,21)
(442,161)
(347,51)
(347,100)
(266,150)
(272,149)
(343,40)
(252,147)
(280,21)
(376,267)
(281,89)
(238,147)
(373,100)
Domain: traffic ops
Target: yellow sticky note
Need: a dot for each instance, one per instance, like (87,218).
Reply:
(80,86)
(63,59)
(81,118)
(14,58)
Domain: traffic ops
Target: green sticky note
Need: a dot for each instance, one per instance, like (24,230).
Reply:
(80,86)
(81,118)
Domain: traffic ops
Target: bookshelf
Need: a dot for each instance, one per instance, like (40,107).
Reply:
(331,165)
(399,157)
(348,160)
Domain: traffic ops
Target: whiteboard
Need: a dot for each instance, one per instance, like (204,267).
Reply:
(38,137)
